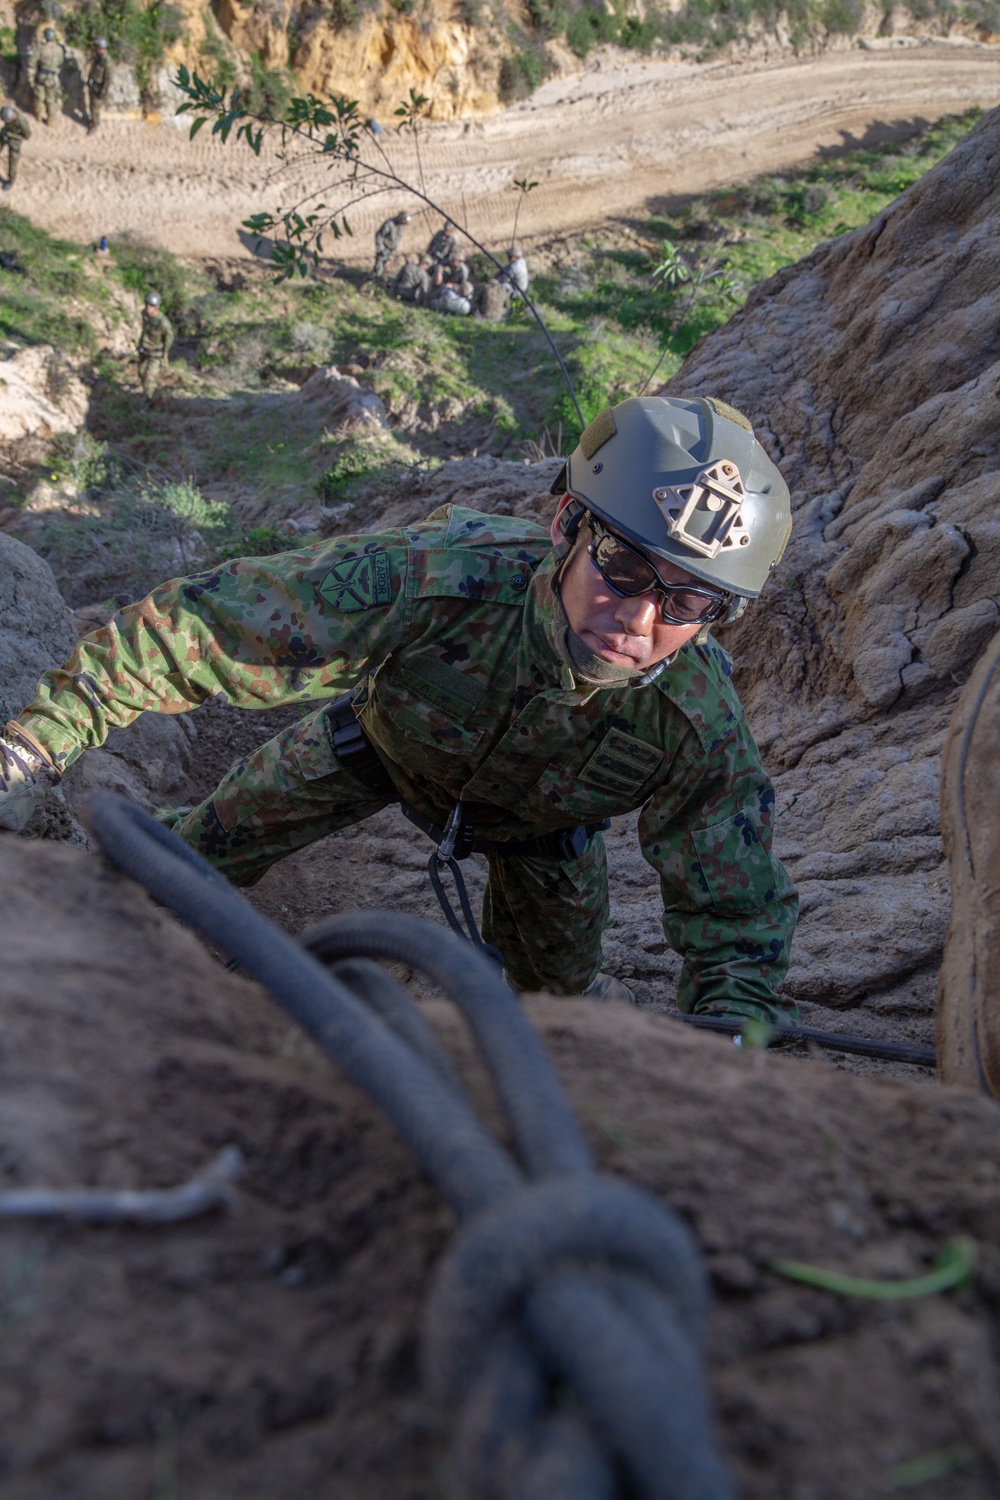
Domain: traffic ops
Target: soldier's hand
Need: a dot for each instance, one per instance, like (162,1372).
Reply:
(24,779)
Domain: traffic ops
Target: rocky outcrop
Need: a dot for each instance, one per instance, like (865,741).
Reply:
(872,373)
(41,394)
(36,630)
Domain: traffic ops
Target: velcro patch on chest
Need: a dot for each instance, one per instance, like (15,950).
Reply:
(362,582)
(621,763)
(445,687)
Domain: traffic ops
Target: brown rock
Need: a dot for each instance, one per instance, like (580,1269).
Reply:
(872,374)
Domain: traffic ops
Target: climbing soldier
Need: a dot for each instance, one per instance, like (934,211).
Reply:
(98,83)
(154,345)
(48,89)
(388,237)
(512,685)
(14,130)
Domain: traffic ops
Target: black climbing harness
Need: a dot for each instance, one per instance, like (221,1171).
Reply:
(458,838)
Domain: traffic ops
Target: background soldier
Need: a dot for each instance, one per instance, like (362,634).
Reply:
(98,83)
(492,300)
(516,270)
(443,246)
(458,273)
(48,89)
(449,299)
(413,283)
(387,241)
(154,344)
(13,130)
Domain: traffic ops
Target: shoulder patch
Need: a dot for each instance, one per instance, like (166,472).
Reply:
(361,582)
(698,682)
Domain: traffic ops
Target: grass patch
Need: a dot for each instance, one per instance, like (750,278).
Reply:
(235,461)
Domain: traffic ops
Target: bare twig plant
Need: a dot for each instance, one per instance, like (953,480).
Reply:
(360,168)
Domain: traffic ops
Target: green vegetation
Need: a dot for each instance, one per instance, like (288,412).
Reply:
(137,33)
(734,239)
(238,459)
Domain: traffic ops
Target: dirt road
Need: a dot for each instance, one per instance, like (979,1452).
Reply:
(601,144)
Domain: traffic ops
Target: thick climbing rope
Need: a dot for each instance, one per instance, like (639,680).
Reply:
(565,1324)
(835,1041)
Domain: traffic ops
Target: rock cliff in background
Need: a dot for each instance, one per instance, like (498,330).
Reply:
(872,374)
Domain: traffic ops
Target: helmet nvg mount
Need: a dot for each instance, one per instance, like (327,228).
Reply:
(687,481)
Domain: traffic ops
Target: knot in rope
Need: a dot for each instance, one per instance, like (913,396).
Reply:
(567,1318)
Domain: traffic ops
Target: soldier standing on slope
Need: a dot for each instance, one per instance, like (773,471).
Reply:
(14,130)
(388,237)
(154,345)
(516,683)
(98,83)
(49,66)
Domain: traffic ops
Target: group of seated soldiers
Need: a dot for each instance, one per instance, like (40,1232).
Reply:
(441,279)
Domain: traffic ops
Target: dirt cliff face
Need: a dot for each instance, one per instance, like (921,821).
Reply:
(872,373)
(375,60)
(260,1352)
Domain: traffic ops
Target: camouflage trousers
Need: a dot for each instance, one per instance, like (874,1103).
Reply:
(546,916)
(48,99)
(150,368)
(13,158)
(95,104)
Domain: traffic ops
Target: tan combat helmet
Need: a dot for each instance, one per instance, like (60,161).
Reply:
(688,481)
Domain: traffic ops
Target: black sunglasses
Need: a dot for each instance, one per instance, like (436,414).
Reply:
(628,573)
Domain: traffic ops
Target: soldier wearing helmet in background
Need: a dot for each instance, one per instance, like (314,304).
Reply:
(98,83)
(14,130)
(155,340)
(515,685)
(413,282)
(48,68)
(388,237)
(444,244)
(515,273)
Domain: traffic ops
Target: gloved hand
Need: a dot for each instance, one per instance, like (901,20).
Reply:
(24,779)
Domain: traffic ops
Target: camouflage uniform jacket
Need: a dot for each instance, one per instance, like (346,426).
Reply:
(388,237)
(51,57)
(99,76)
(13,133)
(445,630)
(443,246)
(156,337)
(412,283)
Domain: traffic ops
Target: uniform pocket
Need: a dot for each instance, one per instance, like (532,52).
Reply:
(733,870)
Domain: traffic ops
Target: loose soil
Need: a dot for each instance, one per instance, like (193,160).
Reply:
(274,1351)
(604,144)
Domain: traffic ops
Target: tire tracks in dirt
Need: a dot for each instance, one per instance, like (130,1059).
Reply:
(626,142)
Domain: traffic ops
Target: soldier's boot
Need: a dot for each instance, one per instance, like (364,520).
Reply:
(607,987)
(968,1006)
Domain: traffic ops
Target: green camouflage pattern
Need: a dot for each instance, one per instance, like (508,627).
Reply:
(98,84)
(48,89)
(388,238)
(411,284)
(13,135)
(446,630)
(155,340)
